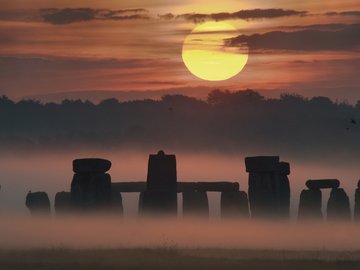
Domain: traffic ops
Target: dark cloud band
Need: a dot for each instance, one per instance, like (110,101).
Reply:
(73,15)
(347,38)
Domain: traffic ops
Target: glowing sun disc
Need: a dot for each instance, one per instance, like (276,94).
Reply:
(206,56)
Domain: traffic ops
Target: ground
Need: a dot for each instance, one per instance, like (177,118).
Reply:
(174,258)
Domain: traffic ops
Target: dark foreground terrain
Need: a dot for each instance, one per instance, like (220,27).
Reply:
(174,258)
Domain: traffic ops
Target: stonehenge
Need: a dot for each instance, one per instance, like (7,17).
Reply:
(269,187)
(268,197)
(91,185)
(310,205)
(62,203)
(338,206)
(38,203)
(160,196)
(234,204)
(357,203)
(195,203)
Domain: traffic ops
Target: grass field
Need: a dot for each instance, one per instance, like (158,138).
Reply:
(174,258)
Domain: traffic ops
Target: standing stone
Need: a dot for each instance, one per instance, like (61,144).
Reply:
(338,207)
(269,187)
(161,172)
(38,203)
(158,203)
(284,190)
(357,203)
(62,203)
(91,186)
(234,204)
(310,205)
(195,203)
(160,196)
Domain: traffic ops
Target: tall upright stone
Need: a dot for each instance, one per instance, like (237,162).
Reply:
(63,203)
(357,203)
(195,203)
(269,188)
(234,204)
(91,185)
(284,190)
(160,196)
(38,203)
(338,207)
(310,205)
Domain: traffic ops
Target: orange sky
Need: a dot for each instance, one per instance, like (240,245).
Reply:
(57,50)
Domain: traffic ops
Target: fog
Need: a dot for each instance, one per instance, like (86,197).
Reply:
(104,232)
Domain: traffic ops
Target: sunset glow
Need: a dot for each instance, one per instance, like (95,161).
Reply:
(206,57)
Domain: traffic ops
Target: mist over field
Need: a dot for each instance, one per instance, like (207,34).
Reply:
(104,232)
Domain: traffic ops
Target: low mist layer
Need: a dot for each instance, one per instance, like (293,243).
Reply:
(106,232)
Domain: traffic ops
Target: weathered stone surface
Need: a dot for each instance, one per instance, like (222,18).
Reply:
(283,187)
(63,203)
(338,207)
(161,172)
(322,183)
(91,191)
(269,187)
(234,204)
(310,205)
(262,164)
(357,205)
(158,203)
(262,195)
(195,203)
(91,165)
(38,203)
(180,186)
(284,168)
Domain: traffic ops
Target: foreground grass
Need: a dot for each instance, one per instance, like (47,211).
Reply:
(173,258)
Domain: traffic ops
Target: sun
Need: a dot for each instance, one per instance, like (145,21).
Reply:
(205,55)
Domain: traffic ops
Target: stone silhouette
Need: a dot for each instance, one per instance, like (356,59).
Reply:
(322,183)
(269,187)
(195,203)
(91,165)
(234,204)
(63,203)
(91,186)
(161,172)
(160,196)
(338,207)
(38,203)
(357,203)
(310,205)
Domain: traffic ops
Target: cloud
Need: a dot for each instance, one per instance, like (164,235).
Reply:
(305,40)
(73,15)
(63,16)
(343,13)
(241,14)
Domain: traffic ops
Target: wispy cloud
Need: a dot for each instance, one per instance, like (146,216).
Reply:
(346,38)
(72,15)
(241,14)
(344,13)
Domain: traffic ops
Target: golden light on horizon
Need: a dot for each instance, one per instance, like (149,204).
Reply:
(206,56)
